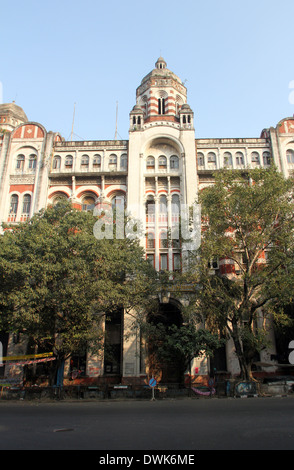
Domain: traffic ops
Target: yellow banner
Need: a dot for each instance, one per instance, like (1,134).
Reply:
(28,356)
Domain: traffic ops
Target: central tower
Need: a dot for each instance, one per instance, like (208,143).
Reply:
(162,174)
(161,94)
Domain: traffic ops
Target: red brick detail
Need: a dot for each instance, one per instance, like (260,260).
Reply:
(17,133)
(21,188)
(30,131)
(77,206)
(161,117)
(287,127)
(40,133)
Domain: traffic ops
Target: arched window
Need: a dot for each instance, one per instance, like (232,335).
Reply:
(56,162)
(255,161)
(174,162)
(162,204)
(69,161)
(266,156)
(228,161)
(85,161)
(144,104)
(175,228)
(26,207)
(32,161)
(124,162)
(88,203)
(290,156)
(211,160)
(239,159)
(161,105)
(150,241)
(13,204)
(97,161)
(179,104)
(175,204)
(162,162)
(59,197)
(20,161)
(112,162)
(118,202)
(150,163)
(150,209)
(200,159)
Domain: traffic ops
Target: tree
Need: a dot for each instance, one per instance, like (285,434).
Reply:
(176,346)
(58,280)
(248,222)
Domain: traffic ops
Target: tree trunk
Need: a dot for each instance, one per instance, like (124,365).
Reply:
(244,362)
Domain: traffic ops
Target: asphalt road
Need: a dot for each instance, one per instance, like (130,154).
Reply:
(170,425)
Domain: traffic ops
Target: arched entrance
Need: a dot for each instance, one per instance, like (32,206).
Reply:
(166,365)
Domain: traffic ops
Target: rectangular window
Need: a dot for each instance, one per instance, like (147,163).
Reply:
(163,262)
(161,106)
(177,262)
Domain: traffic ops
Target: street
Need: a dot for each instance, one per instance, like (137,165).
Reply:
(171,425)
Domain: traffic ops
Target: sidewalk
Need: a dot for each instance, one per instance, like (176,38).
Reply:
(274,387)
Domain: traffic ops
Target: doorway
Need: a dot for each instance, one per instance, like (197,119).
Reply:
(166,365)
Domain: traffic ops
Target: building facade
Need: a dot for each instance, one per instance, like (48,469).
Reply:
(160,168)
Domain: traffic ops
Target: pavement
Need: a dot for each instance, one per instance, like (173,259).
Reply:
(139,426)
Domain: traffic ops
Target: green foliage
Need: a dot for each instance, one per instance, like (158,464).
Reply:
(247,214)
(178,345)
(58,281)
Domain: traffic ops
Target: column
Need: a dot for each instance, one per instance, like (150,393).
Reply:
(169,225)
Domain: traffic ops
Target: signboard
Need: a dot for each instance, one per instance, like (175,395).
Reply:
(246,388)
(152,382)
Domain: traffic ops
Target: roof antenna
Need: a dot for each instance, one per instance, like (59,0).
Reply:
(73,120)
(115,136)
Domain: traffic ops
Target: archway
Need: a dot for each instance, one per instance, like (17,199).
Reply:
(166,365)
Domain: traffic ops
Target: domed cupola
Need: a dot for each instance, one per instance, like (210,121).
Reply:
(136,118)
(160,96)
(160,64)
(186,117)
(11,116)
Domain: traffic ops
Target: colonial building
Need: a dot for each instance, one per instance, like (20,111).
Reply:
(160,168)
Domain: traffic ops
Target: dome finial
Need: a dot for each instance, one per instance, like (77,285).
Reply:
(160,64)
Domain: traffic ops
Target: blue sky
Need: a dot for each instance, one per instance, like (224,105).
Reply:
(235,57)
